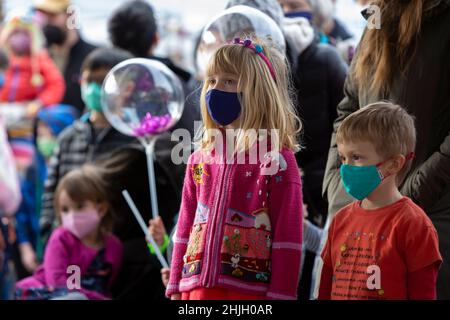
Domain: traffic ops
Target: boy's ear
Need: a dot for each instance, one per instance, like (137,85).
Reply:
(102,208)
(397,163)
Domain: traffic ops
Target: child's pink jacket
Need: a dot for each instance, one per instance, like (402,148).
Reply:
(239,229)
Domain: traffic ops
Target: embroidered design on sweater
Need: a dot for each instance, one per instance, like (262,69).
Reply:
(193,255)
(246,245)
(198,172)
(192,258)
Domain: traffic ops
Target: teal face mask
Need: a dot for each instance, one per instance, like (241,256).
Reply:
(91,95)
(46,146)
(359,182)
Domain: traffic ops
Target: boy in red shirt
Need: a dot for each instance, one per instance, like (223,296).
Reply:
(382,246)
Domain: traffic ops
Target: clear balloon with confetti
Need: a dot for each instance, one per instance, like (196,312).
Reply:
(143,98)
(237,22)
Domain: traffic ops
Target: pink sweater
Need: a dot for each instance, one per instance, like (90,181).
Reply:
(64,250)
(239,229)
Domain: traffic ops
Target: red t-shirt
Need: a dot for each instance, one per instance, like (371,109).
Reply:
(371,252)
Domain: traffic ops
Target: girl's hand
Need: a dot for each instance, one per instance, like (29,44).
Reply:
(165,274)
(28,257)
(175,296)
(157,230)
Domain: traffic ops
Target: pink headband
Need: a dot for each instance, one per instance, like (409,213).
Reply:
(259,51)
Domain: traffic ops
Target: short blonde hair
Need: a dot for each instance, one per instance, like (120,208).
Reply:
(266,102)
(388,127)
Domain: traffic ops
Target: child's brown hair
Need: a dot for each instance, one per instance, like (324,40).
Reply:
(87,183)
(387,126)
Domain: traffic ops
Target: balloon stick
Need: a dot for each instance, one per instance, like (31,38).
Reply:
(144,228)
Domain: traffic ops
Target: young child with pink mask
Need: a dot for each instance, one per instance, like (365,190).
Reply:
(82,257)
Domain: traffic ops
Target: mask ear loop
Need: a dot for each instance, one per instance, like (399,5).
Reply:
(408,157)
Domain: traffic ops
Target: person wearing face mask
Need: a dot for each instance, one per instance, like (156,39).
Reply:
(28,248)
(318,74)
(30,76)
(317,12)
(297,8)
(65,44)
(401,66)
(31,80)
(239,231)
(87,139)
(320,13)
(83,239)
(382,246)
(92,139)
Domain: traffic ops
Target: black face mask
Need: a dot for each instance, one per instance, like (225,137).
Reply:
(54,35)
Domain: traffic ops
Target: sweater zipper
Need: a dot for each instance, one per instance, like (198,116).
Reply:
(221,216)
(211,231)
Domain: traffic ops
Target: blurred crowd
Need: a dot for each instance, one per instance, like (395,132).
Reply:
(58,148)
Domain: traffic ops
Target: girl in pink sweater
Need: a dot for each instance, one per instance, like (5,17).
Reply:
(240,226)
(82,257)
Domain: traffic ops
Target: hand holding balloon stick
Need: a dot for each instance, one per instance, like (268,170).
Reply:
(141,222)
(142,98)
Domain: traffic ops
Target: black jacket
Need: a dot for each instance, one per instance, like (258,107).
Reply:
(72,75)
(318,75)
(140,276)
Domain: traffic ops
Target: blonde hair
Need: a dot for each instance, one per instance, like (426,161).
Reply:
(266,102)
(388,127)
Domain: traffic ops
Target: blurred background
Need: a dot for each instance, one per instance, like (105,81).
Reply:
(180,21)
